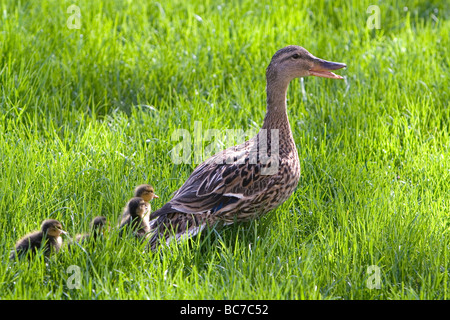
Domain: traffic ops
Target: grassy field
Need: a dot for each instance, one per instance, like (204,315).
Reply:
(87,114)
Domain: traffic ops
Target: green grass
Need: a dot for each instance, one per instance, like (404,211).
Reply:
(86,115)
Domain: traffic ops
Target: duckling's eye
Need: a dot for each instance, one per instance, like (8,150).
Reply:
(295,56)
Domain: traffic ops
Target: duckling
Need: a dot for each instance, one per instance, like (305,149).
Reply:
(96,226)
(48,238)
(146,192)
(133,217)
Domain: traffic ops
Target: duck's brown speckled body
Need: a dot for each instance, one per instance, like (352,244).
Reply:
(245,181)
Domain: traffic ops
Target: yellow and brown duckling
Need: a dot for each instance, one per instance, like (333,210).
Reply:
(97,226)
(134,217)
(48,238)
(146,192)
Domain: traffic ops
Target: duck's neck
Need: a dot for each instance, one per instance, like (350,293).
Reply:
(276,114)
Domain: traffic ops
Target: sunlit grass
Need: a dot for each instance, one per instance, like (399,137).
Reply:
(88,114)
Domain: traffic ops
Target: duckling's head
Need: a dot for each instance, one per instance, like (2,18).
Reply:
(295,62)
(52,227)
(98,223)
(146,192)
(137,207)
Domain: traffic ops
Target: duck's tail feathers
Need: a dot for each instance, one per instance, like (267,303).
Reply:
(178,226)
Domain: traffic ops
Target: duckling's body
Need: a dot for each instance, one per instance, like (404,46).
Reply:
(97,225)
(146,192)
(133,217)
(245,181)
(48,238)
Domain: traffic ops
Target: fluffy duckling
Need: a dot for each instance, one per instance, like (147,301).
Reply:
(48,238)
(146,192)
(133,217)
(96,226)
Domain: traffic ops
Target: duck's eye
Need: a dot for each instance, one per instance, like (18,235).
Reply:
(295,56)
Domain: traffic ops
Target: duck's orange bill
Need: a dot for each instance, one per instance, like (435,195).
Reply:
(322,69)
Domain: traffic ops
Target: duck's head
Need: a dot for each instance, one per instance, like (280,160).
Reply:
(146,192)
(295,62)
(52,227)
(98,223)
(137,207)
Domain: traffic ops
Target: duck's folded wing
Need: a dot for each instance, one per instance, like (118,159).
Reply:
(217,186)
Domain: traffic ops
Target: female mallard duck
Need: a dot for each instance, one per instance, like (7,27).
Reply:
(48,238)
(96,226)
(133,217)
(245,181)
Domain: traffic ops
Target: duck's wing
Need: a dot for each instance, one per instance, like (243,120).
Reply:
(220,183)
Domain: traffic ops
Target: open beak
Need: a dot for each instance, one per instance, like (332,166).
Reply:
(321,68)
